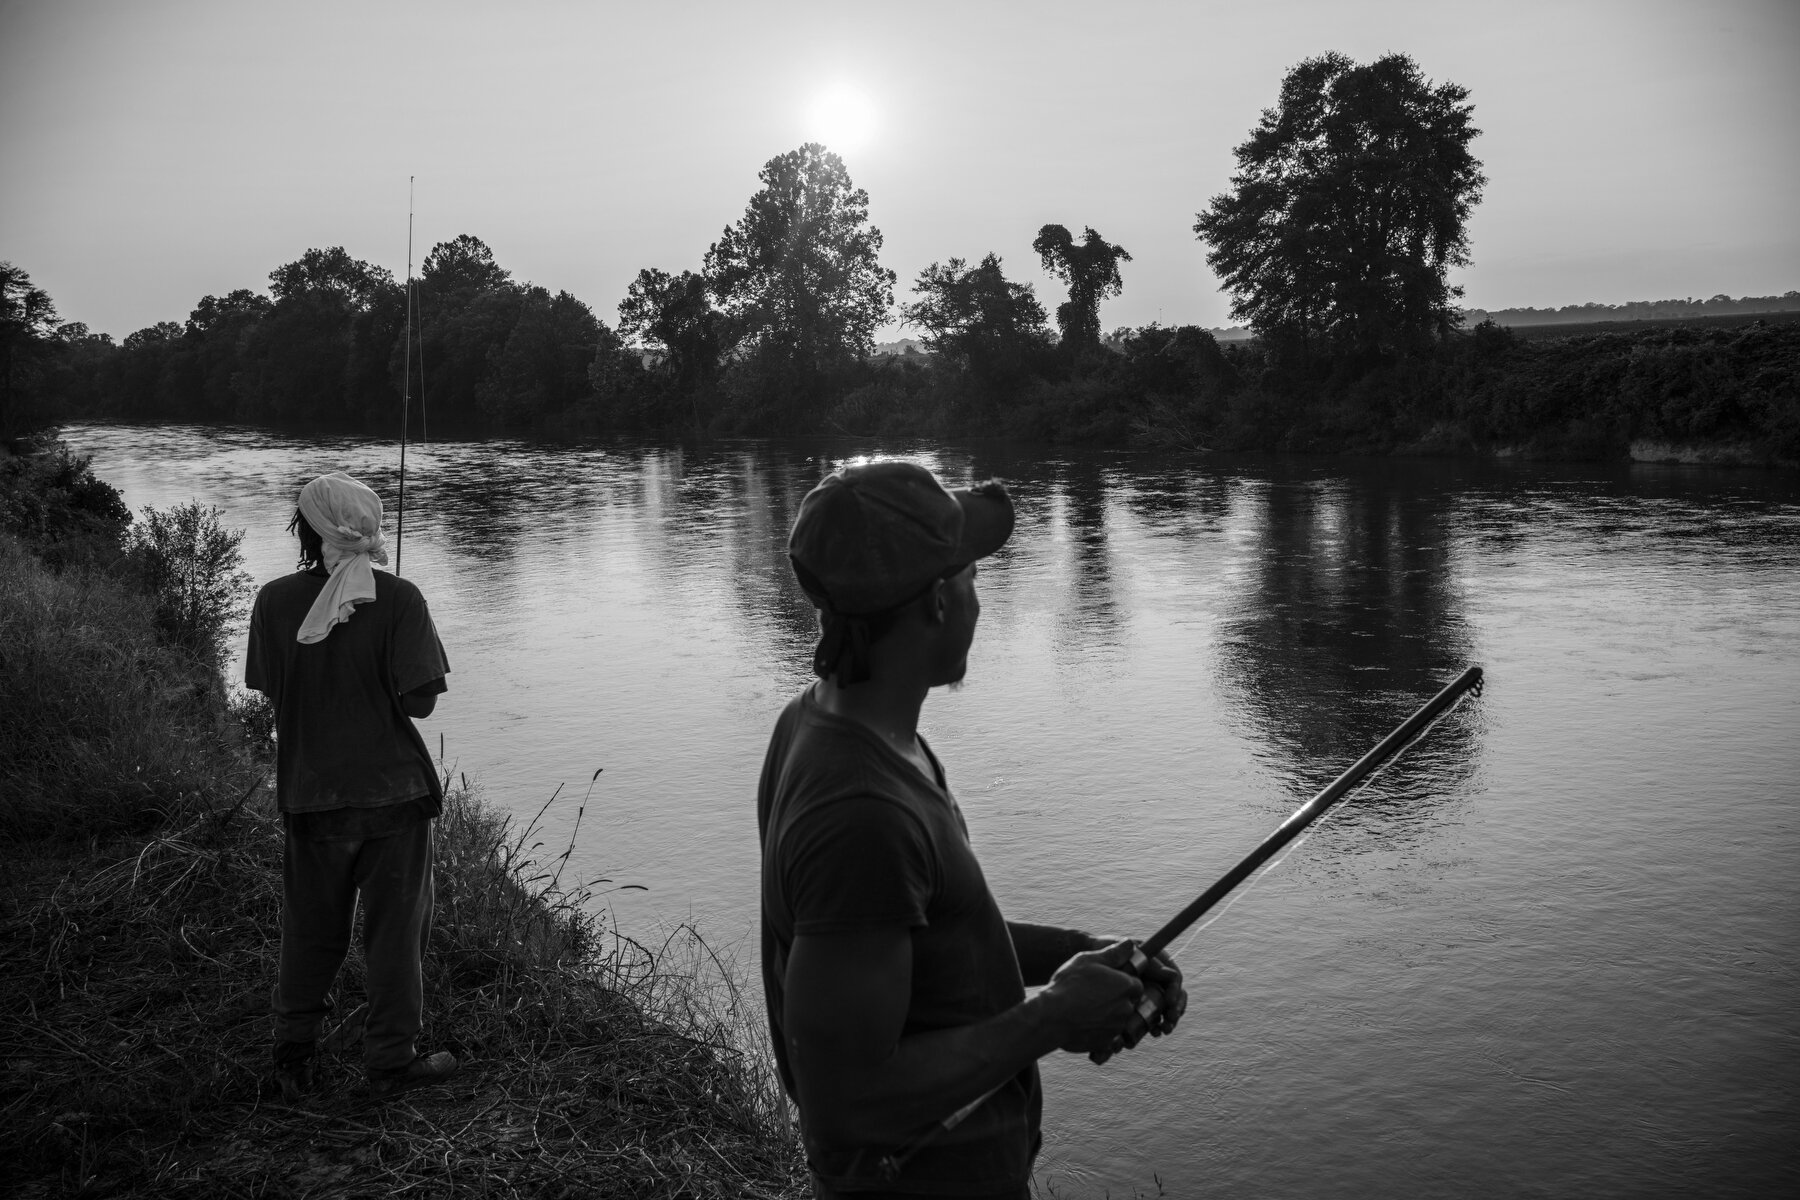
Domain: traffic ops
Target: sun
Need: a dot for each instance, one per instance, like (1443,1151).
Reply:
(843,117)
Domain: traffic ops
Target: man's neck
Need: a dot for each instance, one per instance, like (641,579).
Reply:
(891,709)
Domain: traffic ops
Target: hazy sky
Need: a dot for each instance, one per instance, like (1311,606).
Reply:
(156,152)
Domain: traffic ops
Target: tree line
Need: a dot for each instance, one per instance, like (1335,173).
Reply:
(1347,210)
(1640,310)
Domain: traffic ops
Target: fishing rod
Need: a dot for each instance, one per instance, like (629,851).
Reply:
(406,379)
(890,1165)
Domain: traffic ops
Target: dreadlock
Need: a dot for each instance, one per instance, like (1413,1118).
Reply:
(312,546)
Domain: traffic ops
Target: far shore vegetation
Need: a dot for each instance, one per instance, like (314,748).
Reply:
(1335,239)
(139,919)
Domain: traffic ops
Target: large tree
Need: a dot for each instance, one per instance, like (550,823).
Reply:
(978,319)
(468,305)
(295,361)
(1349,207)
(799,276)
(1091,269)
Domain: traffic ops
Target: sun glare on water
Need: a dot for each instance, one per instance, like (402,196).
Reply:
(843,117)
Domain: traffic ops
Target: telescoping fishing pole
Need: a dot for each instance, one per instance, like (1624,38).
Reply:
(891,1164)
(406,377)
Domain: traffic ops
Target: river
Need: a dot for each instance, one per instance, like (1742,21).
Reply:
(1551,951)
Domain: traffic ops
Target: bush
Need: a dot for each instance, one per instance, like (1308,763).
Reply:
(52,499)
(192,567)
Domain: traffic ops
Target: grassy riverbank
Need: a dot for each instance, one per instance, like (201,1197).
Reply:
(139,917)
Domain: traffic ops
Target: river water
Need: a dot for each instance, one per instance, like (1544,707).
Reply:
(1551,952)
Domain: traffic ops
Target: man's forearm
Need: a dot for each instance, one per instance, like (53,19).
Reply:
(1043,948)
(928,1076)
(861,1082)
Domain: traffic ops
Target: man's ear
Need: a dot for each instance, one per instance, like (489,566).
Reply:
(937,603)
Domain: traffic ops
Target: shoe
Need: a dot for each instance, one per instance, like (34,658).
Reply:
(420,1072)
(293,1073)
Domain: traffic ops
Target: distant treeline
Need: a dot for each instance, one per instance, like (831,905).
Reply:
(325,349)
(327,346)
(1637,310)
(1484,392)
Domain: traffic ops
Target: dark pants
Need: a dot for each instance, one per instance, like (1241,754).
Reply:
(320,883)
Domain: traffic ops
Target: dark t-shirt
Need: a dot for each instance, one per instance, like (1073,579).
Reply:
(342,739)
(853,836)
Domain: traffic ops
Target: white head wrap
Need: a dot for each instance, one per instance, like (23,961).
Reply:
(347,517)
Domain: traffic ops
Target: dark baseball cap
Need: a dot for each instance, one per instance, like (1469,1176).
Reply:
(874,535)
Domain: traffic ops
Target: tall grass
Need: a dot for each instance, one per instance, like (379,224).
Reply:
(133,1007)
(104,725)
(111,635)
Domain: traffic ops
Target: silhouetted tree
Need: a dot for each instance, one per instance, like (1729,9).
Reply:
(1348,208)
(27,328)
(373,363)
(975,318)
(329,274)
(464,265)
(76,374)
(295,360)
(142,382)
(673,316)
(217,329)
(467,308)
(1091,269)
(542,366)
(618,392)
(799,276)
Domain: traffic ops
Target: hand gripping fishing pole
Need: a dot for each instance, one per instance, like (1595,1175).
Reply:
(891,1164)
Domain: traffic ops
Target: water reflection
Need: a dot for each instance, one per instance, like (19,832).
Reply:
(1344,616)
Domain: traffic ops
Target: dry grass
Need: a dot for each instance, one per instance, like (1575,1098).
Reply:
(134,1030)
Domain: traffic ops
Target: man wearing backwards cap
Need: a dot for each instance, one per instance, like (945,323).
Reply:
(896,990)
(348,656)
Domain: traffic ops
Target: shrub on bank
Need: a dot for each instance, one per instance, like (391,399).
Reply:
(193,567)
(52,500)
(110,640)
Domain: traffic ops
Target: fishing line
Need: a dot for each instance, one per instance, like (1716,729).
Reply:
(1249,885)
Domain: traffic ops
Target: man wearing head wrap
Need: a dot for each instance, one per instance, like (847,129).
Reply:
(348,657)
(895,988)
